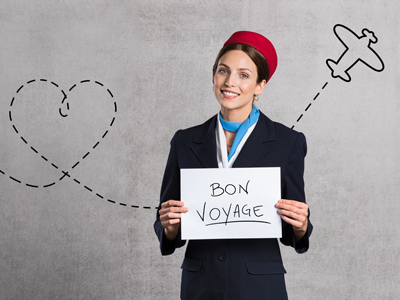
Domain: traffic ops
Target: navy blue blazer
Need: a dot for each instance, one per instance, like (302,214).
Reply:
(236,268)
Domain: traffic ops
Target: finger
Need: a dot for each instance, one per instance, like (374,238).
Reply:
(303,210)
(293,209)
(291,214)
(299,204)
(181,209)
(169,203)
(173,209)
(292,222)
(171,215)
(170,222)
(296,224)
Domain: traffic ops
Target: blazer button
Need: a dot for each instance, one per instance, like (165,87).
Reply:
(221,258)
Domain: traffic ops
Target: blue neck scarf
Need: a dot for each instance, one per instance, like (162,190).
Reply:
(239,128)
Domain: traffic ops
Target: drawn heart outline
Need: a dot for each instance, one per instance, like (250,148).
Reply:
(63,111)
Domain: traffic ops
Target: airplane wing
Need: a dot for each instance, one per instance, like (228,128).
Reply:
(348,38)
(369,57)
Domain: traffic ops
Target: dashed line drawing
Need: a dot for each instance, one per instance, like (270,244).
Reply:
(64,114)
(309,105)
(358,48)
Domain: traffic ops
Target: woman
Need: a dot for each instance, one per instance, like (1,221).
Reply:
(239,136)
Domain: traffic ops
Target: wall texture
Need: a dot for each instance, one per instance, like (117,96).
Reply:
(84,145)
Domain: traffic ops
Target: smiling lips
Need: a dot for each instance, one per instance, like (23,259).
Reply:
(229,94)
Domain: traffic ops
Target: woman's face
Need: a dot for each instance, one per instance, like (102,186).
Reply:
(235,82)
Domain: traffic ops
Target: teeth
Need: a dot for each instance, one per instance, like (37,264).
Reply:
(229,93)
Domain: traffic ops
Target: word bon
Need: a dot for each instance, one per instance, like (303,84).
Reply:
(230,189)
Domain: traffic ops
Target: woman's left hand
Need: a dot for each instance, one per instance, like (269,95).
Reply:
(294,213)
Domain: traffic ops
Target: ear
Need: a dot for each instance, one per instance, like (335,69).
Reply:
(260,87)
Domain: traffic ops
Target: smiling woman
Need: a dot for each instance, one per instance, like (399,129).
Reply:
(235,84)
(239,136)
(255,55)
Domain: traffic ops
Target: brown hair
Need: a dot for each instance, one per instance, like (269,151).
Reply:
(255,55)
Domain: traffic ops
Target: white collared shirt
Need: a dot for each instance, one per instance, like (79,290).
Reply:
(222,150)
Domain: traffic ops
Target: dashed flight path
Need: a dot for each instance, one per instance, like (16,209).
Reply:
(309,105)
(63,111)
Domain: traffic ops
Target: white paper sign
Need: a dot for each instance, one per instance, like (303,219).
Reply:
(230,203)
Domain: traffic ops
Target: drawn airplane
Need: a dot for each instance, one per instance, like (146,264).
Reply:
(358,48)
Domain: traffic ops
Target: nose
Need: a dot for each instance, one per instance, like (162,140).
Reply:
(230,80)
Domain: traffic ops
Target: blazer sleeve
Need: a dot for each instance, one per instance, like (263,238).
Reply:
(293,188)
(170,189)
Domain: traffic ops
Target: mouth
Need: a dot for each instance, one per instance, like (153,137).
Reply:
(229,94)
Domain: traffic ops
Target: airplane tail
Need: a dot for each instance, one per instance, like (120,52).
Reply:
(336,72)
(369,35)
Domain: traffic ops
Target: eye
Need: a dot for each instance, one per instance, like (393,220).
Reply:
(223,71)
(244,75)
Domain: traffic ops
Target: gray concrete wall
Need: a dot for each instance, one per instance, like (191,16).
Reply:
(65,239)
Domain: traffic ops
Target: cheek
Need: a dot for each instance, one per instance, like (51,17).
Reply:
(216,79)
(219,79)
(248,88)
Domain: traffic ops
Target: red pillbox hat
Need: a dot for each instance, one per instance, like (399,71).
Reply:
(261,43)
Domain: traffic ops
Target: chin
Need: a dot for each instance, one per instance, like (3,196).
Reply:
(232,105)
(228,105)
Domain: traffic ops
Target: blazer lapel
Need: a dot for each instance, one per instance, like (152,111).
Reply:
(204,144)
(259,143)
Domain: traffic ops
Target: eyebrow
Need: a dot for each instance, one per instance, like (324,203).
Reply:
(242,69)
(245,69)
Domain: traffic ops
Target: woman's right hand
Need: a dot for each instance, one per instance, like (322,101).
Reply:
(170,217)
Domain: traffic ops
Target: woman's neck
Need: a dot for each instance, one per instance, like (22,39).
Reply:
(236,115)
